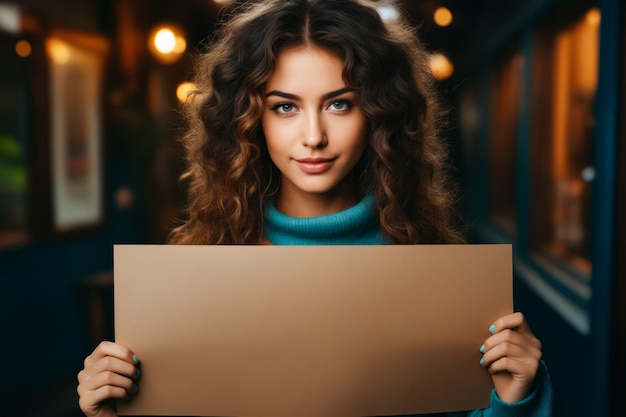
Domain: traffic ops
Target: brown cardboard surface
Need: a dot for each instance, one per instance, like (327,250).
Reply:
(309,331)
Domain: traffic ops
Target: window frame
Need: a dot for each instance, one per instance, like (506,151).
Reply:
(577,300)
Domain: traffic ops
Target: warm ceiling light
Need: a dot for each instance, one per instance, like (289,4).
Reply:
(58,51)
(23,48)
(167,43)
(442,16)
(441,67)
(593,16)
(183,90)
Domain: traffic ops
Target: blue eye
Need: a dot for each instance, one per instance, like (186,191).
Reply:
(283,108)
(340,105)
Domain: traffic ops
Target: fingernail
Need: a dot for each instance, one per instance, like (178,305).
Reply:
(482,361)
(138,373)
(135,359)
(492,328)
(482,350)
(135,389)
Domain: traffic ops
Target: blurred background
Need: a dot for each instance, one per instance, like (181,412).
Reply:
(89,158)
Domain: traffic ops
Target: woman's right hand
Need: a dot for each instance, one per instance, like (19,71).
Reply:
(111,372)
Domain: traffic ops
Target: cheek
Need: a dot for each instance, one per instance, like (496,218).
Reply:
(357,135)
(274,139)
(275,126)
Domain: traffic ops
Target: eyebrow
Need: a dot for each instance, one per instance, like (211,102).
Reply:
(295,97)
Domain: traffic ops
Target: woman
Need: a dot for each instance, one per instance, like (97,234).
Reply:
(316,122)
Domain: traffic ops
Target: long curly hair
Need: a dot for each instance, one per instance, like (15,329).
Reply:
(230,176)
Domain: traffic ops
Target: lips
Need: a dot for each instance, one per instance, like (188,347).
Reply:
(315,165)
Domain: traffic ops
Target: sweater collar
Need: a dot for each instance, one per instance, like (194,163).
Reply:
(357,225)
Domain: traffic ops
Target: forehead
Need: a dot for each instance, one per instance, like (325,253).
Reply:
(308,68)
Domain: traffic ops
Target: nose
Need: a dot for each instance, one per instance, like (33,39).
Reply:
(314,131)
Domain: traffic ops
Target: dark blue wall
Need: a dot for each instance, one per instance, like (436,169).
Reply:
(565,352)
(44,319)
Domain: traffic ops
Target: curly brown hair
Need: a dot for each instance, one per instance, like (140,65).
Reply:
(230,176)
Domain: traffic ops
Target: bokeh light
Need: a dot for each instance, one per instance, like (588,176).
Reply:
(167,43)
(58,51)
(23,48)
(443,16)
(183,90)
(441,67)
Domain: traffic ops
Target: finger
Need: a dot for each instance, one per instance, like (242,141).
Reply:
(521,369)
(89,400)
(515,321)
(107,380)
(512,336)
(512,351)
(111,349)
(112,364)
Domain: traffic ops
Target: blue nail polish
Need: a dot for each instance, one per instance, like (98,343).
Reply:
(135,389)
(135,359)
(482,361)
(492,328)
(482,349)
(138,373)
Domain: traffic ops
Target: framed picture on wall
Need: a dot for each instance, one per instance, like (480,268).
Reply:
(76,78)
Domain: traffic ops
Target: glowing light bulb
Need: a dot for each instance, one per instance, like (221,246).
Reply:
(441,67)
(167,43)
(443,16)
(593,16)
(23,48)
(58,51)
(183,90)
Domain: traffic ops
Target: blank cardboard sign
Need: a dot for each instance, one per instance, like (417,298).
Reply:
(309,331)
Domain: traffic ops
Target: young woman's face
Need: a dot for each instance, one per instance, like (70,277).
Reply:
(314,129)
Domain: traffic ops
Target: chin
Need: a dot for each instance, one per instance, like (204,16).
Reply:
(320,189)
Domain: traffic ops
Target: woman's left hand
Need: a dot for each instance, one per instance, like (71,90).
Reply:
(512,355)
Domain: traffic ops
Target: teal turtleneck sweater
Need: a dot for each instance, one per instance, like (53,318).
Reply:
(357,225)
